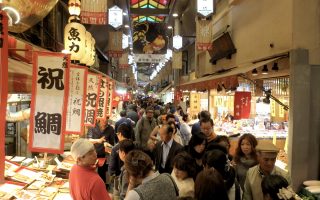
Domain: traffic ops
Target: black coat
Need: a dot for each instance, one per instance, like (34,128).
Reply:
(174,150)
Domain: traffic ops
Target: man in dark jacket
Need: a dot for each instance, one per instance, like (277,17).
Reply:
(166,149)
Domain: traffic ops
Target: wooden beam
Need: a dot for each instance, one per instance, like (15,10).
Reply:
(149,12)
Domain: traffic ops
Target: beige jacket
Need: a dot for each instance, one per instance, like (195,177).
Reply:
(252,185)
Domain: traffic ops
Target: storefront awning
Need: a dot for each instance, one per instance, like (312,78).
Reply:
(19,76)
(165,89)
(229,79)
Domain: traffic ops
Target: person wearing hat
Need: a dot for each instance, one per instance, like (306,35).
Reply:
(84,181)
(267,155)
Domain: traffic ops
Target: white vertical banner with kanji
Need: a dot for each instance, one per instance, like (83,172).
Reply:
(92,99)
(50,85)
(110,97)
(102,105)
(77,100)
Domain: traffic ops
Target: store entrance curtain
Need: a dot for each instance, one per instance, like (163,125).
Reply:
(242,105)
(76,101)
(50,86)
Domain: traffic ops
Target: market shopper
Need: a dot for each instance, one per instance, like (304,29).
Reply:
(210,185)
(85,183)
(144,128)
(206,127)
(245,156)
(184,173)
(267,155)
(275,187)
(125,146)
(196,126)
(144,183)
(166,149)
(97,136)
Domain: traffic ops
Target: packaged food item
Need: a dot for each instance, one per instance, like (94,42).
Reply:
(24,195)
(45,177)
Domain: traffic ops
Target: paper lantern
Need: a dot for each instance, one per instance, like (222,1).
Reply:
(92,53)
(74,7)
(74,40)
(88,46)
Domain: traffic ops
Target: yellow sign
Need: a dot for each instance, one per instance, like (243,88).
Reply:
(273,108)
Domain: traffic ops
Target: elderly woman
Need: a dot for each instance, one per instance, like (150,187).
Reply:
(144,183)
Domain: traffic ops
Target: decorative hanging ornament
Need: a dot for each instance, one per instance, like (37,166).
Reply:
(74,7)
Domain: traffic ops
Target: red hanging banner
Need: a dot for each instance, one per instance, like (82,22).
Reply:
(76,101)
(242,105)
(50,89)
(3,87)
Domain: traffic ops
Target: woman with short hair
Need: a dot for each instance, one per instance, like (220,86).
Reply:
(144,183)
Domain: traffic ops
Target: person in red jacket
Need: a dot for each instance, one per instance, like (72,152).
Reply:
(85,183)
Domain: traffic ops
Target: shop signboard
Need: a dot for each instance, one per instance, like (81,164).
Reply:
(94,12)
(92,99)
(50,85)
(115,17)
(242,105)
(3,86)
(76,101)
(149,58)
(205,7)
(194,103)
(103,95)
(110,98)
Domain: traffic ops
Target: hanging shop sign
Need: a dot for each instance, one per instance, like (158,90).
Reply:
(110,98)
(76,99)
(149,38)
(74,40)
(204,35)
(124,61)
(92,58)
(205,7)
(177,60)
(92,99)
(88,48)
(102,105)
(149,58)
(94,13)
(177,42)
(115,17)
(48,109)
(125,41)
(115,44)
(3,87)
(242,105)
(195,103)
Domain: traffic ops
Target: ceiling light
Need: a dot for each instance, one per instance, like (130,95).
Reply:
(65,51)
(175,14)
(124,14)
(265,69)
(126,26)
(169,27)
(254,72)
(14,11)
(275,67)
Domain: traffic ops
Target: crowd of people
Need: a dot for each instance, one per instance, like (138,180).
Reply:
(157,155)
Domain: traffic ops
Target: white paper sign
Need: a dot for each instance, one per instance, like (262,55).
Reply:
(92,99)
(115,17)
(110,97)
(149,58)
(205,7)
(101,112)
(48,107)
(76,101)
